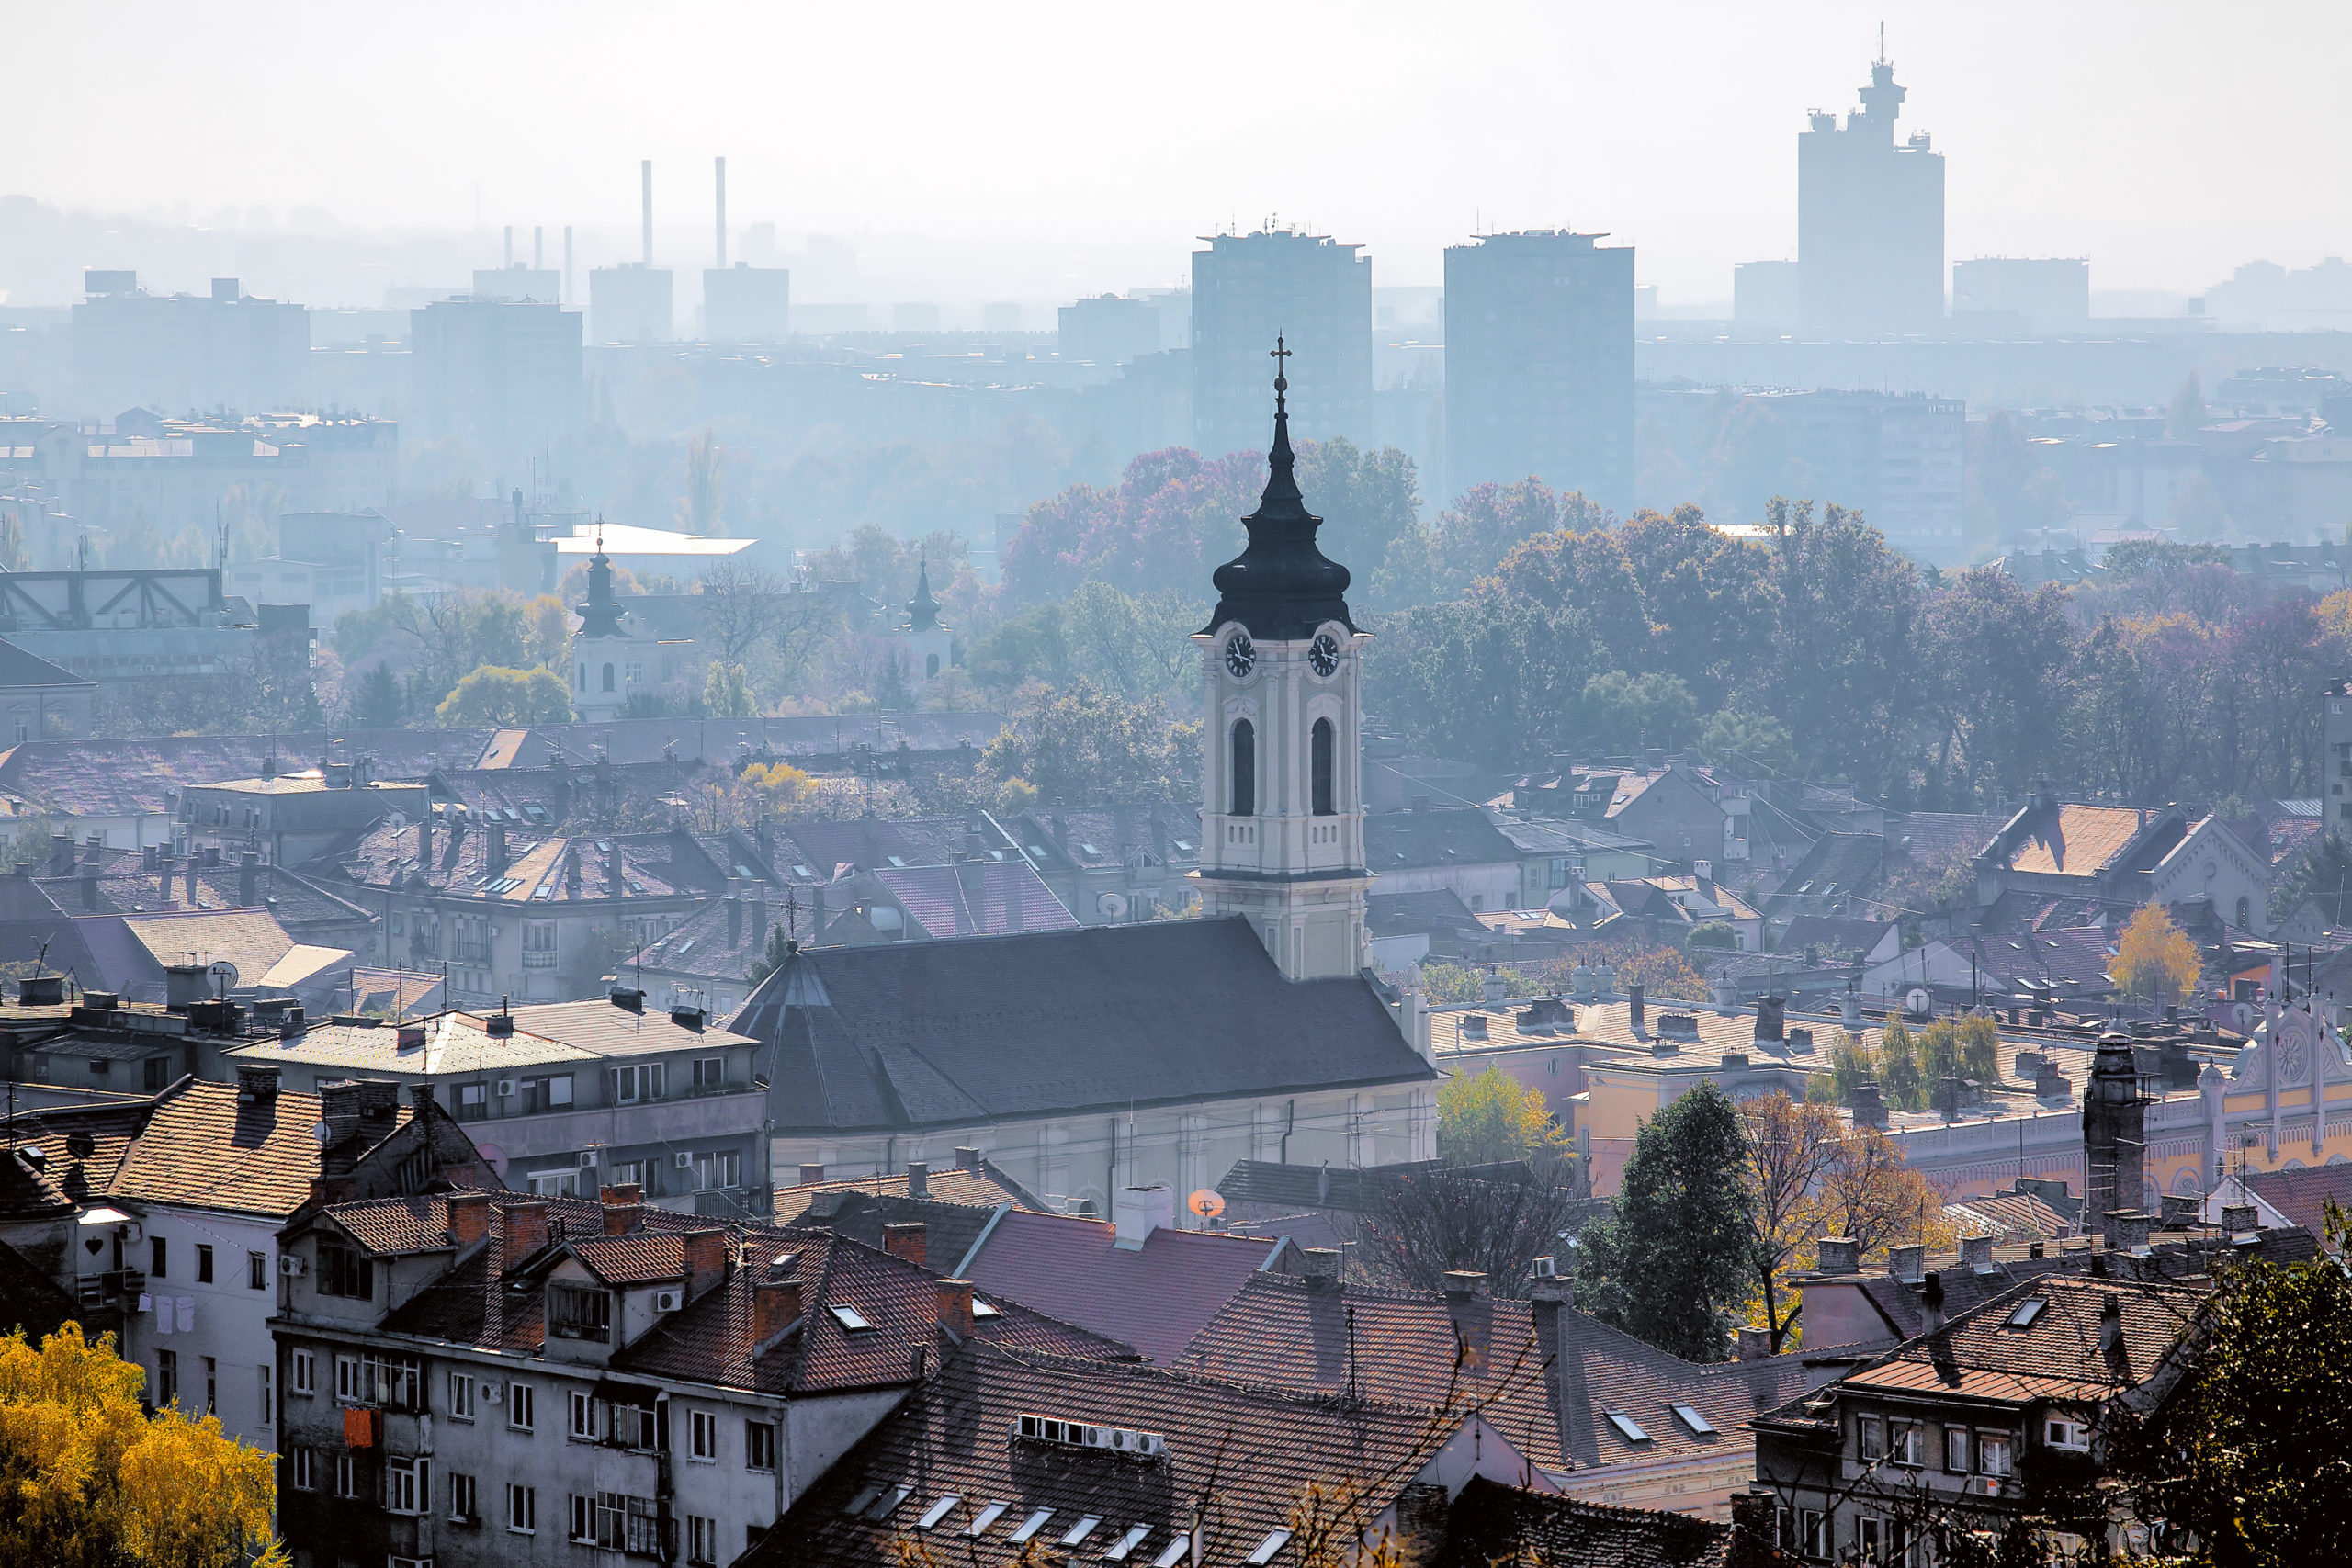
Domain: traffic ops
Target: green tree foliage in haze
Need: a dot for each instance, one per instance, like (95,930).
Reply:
(1668,1264)
(1486,1117)
(493,696)
(1080,744)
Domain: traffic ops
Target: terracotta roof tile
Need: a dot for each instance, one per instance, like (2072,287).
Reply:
(1491,1524)
(391,1227)
(633,1259)
(2075,840)
(205,1147)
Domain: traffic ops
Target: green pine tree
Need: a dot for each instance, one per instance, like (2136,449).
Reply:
(1668,1264)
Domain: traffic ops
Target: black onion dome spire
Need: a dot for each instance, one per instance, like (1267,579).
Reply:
(922,610)
(1281,586)
(600,616)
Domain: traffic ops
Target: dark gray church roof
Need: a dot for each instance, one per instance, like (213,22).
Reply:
(1103,1018)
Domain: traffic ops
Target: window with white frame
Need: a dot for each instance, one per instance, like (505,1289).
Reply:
(702,1434)
(1813,1535)
(522,1508)
(583,1424)
(645,1081)
(306,1372)
(759,1445)
(347,1476)
(1959,1448)
(461,1397)
(1906,1443)
(350,1383)
(2064,1432)
(408,1485)
(304,1464)
(718,1171)
(464,1499)
(702,1540)
(1993,1453)
(710,1073)
(564,1183)
(519,1413)
(1869,1437)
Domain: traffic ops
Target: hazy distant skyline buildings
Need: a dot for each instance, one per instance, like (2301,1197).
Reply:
(1309,289)
(1538,363)
(1869,221)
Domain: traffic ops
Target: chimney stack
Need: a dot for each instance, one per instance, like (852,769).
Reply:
(734,920)
(722,213)
(1909,1264)
(917,1178)
(1322,1265)
(1838,1255)
(775,1306)
(497,850)
(526,1231)
(249,879)
(956,1306)
(645,178)
(705,1261)
(539,250)
(468,1217)
(811,1174)
(1976,1254)
(256,1086)
(510,247)
(1635,1010)
(1931,1303)
(909,1240)
(424,839)
(1460,1284)
(967,1159)
(759,916)
(623,1209)
(2110,1326)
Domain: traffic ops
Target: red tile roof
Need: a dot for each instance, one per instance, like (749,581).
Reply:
(1155,1298)
(204,1148)
(1551,1400)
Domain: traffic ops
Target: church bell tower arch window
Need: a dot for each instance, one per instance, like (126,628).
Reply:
(1242,793)
(1322,744)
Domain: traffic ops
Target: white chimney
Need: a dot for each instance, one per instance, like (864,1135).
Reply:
(1704,870)
(722,213)
(645,178)
(1141,1211)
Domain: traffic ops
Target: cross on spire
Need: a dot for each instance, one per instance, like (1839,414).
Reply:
(1279,354)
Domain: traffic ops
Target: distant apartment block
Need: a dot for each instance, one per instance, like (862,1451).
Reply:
(630,303)
(1897,458)
(1307,289)
(1107,331)
(183,352)
(1538,363)
(2037,295)
(1766,297)
(746,304)
(503,375)
(173,474)
(1869,221)
(541,285)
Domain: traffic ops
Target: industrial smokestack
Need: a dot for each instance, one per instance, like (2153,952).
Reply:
(539,248)
(722,213)
(509,262)
(566,296)
(645,177)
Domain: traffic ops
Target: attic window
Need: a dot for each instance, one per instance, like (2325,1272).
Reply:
(1080,1531)
(2028,1310)
(1688,1416)
(982,1309)
(1091,853)
(1119,1549)
(1627,1428)
(985,1518)
(849,1318)
(862,1502)
(938,1511)
(895,860)
(1030,1527)
(1185,845)
(1037,850)
(888,1503)
(1267,1549)
(804,873)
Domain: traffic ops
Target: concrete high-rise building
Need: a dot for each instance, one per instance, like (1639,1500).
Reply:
(1538,363)
(515,281)
(1869,221)
(1899,459)
(631,303)
(2037,295)
(182,352)
(746,304)
(503,375)
(1766,297)
(1107,331)
(1248,289)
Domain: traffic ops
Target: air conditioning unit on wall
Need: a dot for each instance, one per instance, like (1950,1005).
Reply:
(289,1265)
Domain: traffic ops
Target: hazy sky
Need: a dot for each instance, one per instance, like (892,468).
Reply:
(1083,146)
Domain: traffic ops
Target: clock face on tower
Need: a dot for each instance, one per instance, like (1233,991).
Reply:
(1324,654)
(1240,656)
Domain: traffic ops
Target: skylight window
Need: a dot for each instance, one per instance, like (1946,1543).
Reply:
(985,1518)
(1688,1416)
(888,1503)
(1126,1543)
(982,1309)
(1174,1552)
(1031,1525)
(1081,1529)
(1268,1549)
(938,1511)
(849,1318)
(1627,1428)
(895,860)
(1091,853)
(2028,1310)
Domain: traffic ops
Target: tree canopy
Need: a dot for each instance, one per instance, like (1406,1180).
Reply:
(492,696)
(1486,1117)
(1669,1263)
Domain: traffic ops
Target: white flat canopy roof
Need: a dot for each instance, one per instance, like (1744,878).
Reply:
(621,539)
(105,1217)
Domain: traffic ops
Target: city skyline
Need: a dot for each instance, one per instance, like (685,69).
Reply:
(1401,138)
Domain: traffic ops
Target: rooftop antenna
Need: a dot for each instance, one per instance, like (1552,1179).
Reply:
(1881,44)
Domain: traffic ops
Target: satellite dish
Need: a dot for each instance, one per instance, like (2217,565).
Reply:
(1917,1003)
(1209,1202)
(1113,905)
(494,1157)
(223,976)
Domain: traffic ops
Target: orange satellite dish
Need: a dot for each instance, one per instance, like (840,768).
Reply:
(1209,1202)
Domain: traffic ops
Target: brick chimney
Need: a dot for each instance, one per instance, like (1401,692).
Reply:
(623,1209)
(616,877)
(1840,1255)
(339,1107)
(425,838)
(468,1217)
(775,1306)
(1460,1284)
(909,1240)
(1909,1264)
(1636,1006)
(734,920)
(1931,1303)
(497,850)
(759,902)
(956,1306)
(249,879)
(2110,1327)
(256,1086)
(811,1174)
(1976,1254)
(705,1261)
(917,1178)
(967,1159)
(526,1223)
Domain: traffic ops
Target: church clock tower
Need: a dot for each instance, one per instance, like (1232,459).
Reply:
(1281,806)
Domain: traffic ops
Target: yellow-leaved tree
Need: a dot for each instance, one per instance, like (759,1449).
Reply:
(1490,1116)
(2155,958)
(89,1479)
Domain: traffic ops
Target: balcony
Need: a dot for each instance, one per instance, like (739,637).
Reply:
(533,959)
(738,1112)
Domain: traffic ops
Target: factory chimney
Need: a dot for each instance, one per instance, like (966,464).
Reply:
(722,214)
(566,296)
(645,178)
(509,262)
(539,248)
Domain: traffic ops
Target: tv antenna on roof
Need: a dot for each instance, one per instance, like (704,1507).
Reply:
(1882,44)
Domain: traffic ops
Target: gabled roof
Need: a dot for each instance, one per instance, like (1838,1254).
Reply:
(986,1188)
(489,1299)
(1155,1297)
(1838,866)
(1550,1399)
(955,1443)
(2071,839)
(947,1034)
(205,1147)
(1833,934)
(1435,910)
(1494,1525)
(2302,1196)
(20,671)
(974,898)
(1397,840)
